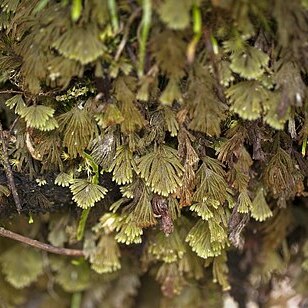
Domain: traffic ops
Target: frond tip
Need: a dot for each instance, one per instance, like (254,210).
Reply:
(260,210)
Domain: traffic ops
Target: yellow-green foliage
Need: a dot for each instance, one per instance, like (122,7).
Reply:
(177,130)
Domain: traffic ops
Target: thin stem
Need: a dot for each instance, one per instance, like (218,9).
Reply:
(76,300)
(14,124)
(113,14)
(8,170)
(43,246)
(11,92)
(126,33)
(82,223)
(145,29)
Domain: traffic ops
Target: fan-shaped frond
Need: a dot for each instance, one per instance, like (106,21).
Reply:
(78,128)
(80,43)
(123,165)
(85,194)
(161,169)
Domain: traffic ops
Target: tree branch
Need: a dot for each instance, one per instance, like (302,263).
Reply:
(43,246)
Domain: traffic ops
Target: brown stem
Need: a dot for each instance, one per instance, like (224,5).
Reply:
(8,170)
(126,33)
(11,92)
(43,246)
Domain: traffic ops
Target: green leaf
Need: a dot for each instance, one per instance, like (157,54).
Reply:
(260,210)
(85,193)
(272,117)
(175,13)
(105,258)
(19,272)
(9,5)
(74,278)
(123,166)
(281,176)
(199,238)
(49,125)
(234,45)
(171,122)
(17,102)
(249,63)
(169,49)
(171,279)
(80,43)
(206,110)
(202,210)
(247,98)
(167,249)
(57,235)
(125,88)
(142,212)
(61,70)
(211,185)
(218,234)
(40,6)
(224,73)
(37,116)
(78,129)
(244,202)
(171,93)
(64,179)
(220,271)
(10,296)
(103,150)
(4,190)
(110,116)
(128,231)
(161,170)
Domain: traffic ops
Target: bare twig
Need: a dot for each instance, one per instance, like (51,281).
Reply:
(135,14)
(14,124)
(8,170)
(11,92)
(43,246)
